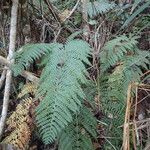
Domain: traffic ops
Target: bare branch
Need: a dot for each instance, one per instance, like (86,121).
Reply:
(85,19)
(72,11)
(4,61)
(26,74)
(2,79)
(30,76)
(52,10)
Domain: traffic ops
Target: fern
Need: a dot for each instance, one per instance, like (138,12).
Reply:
(137,12)
(128,62)
(60,82)
(20,124)
(28,53)
(79,132)
(99,7)
(28,88)
(60,86)
(114,50)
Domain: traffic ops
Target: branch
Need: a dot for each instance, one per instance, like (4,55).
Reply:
(52,10)
(12,38)
(26,74)
(30,76)
(2,79)
(4,61)
(85,19)
(72,11)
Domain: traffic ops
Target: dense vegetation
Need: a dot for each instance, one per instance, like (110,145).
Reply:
(78,78)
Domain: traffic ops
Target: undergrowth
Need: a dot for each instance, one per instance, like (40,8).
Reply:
(62,113)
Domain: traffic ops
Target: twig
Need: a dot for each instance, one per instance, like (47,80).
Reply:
(12,38)
(52,10)
(85,19)
(111,144)
(2,79)
(134,138)
(141,85)
(58,33)
(26,74)
(126,131)
(136,102)
(136,132)
(30,76)
(96,36)
(72,11)
(4,61)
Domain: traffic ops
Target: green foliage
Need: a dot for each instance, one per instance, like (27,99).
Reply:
(115,50)
(122,54)
(137,12)
(141,24)
(65,4)
(99,7)
(60,83)
(61,114)
(29,53)
(77,136)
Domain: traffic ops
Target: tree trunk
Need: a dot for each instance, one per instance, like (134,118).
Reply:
(12,38)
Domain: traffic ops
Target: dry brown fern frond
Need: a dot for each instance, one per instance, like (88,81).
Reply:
(20,123)
(21,114)
(20,137)
(29,88)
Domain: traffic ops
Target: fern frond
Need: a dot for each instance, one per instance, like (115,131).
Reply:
(118,81)
(141,59)
(113,94)
(29,53)
(128,62)
(137,12)
(21,124)
(20,137)
(21,114)
(79,132)
(60,86)
(115,50)
(99,7)
(29,88)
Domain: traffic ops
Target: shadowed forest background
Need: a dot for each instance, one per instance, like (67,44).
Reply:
(75,74)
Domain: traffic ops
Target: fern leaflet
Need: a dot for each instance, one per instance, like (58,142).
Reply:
(99,7)
(79,132)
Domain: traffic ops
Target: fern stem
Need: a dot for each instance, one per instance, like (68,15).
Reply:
(126,133)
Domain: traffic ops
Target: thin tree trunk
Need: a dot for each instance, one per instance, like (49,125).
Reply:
(85,19)
(2,79)
(12,39)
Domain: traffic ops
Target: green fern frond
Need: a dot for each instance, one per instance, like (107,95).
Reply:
(137,12)
(90,91)
(113,91)
(99,7)
(140,59)
(115,50)
(118,81)
(60,86)
(128,62)
(113,95)
(78,135)
(28,53)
